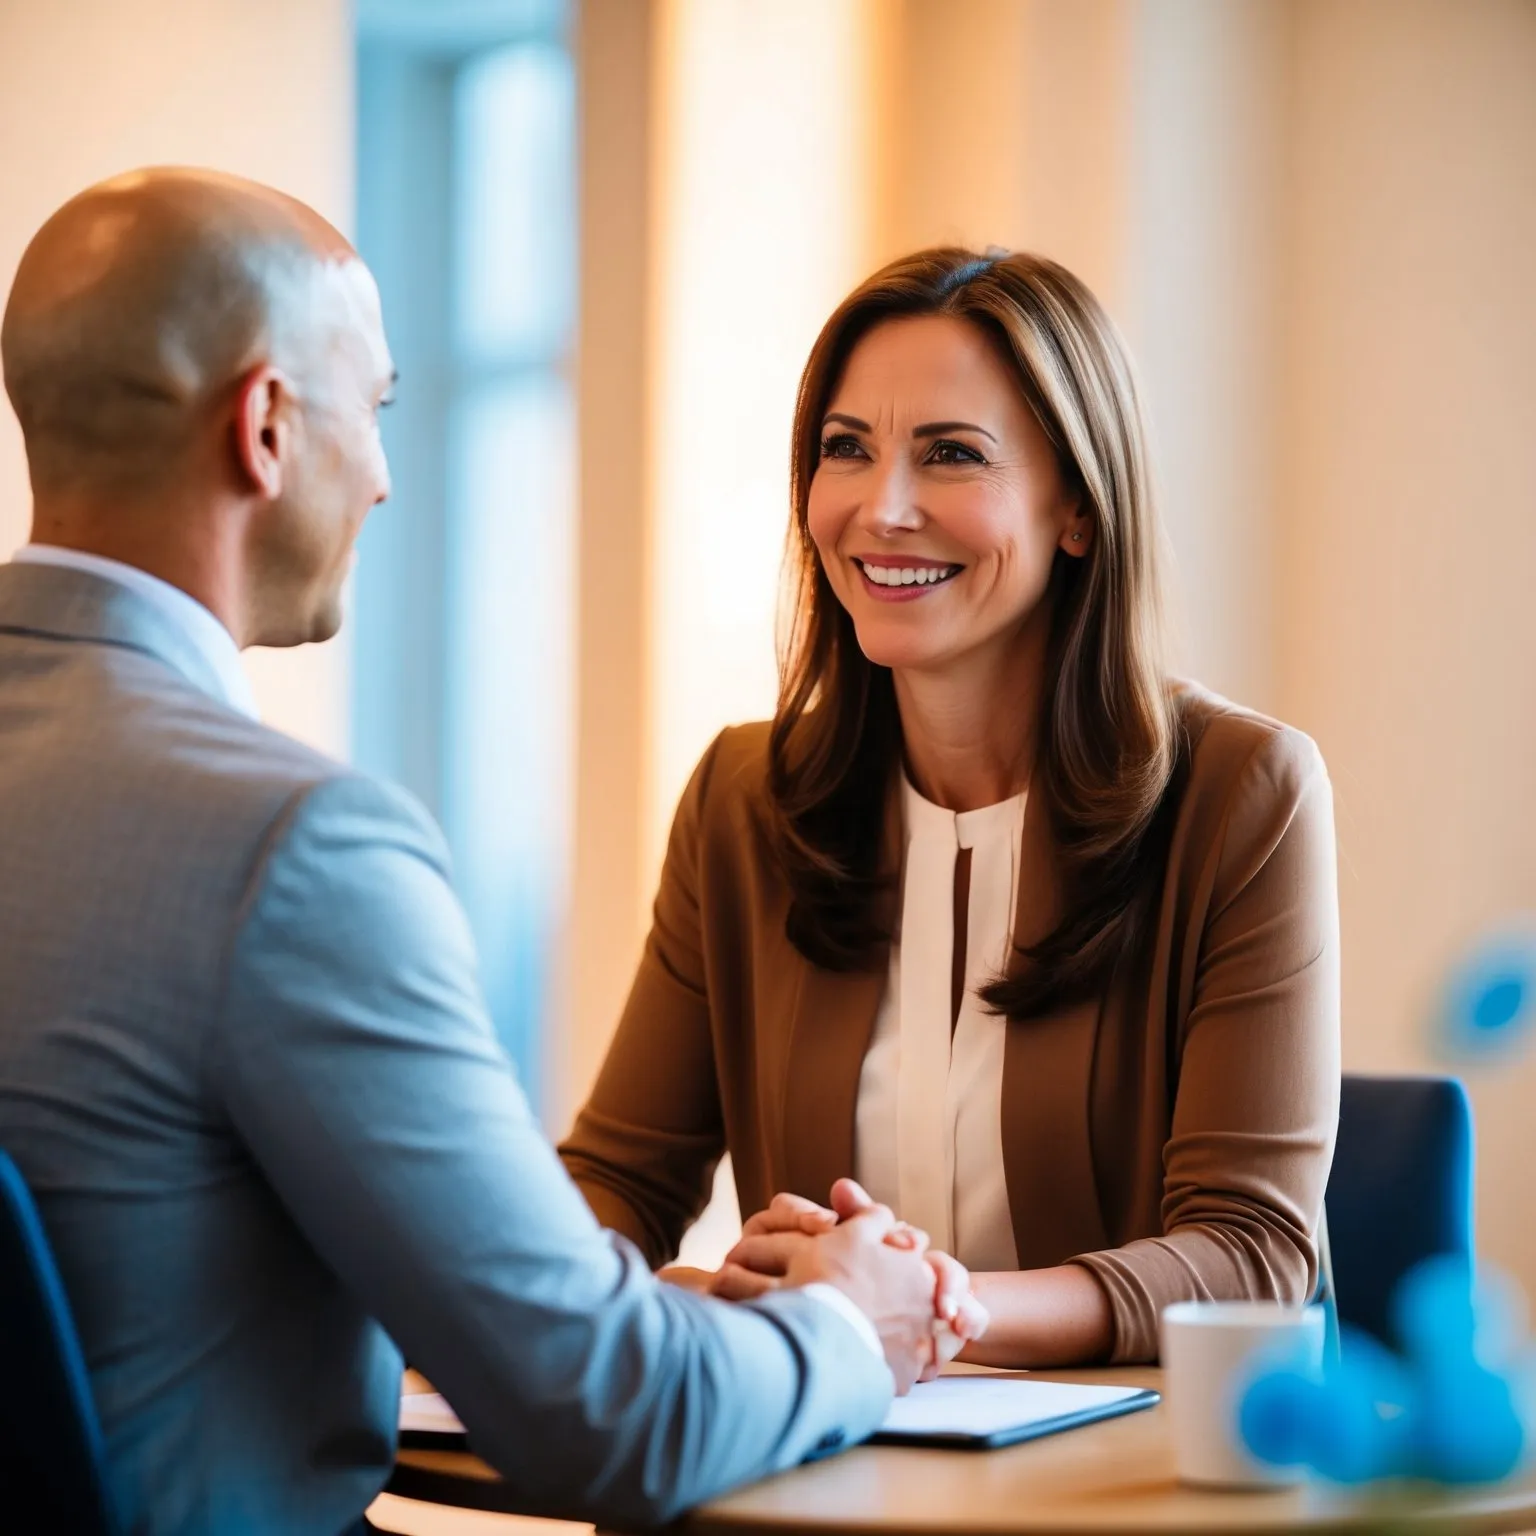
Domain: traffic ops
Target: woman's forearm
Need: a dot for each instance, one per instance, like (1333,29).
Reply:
(1043,1317)
(613,1199)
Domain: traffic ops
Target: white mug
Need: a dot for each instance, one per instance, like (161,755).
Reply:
(1211,1351)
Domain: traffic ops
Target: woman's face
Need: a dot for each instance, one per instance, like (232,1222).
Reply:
(937,506)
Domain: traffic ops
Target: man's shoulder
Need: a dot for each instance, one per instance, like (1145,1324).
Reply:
(195,748)
(348,809)
(182,750)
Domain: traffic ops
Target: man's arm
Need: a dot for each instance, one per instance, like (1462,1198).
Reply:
(356,1060)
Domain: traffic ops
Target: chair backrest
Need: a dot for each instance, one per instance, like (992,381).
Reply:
(52,1464)
(1400,1190)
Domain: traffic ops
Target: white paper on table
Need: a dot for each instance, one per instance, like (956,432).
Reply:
(427,1413)
(960,1406)
(981,1406)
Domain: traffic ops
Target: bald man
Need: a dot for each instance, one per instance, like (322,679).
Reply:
(244,1062)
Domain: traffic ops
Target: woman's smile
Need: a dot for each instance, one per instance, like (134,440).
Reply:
(892,579)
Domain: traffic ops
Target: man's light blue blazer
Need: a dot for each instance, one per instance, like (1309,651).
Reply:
(246,1069)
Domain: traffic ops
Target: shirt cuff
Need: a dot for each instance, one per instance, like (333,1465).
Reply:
(849,1311)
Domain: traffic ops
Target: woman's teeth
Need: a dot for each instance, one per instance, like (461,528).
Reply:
(907,575)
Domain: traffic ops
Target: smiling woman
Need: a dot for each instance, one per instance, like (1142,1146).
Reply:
(1036,941)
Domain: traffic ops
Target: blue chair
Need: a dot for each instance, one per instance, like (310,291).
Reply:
(1400,1190)
(52,1460)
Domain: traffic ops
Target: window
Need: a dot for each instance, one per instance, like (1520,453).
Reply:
(463,602)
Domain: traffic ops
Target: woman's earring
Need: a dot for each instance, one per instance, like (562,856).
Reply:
(1077,538)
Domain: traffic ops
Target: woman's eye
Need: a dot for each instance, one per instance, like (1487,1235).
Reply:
(947,451)
(842,445)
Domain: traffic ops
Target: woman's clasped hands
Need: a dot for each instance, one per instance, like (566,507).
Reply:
(796,1242)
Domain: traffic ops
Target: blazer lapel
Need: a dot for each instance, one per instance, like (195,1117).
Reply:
(830,1030)
(833,1020)
(1047,1081)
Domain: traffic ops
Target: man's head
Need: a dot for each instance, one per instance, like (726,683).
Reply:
(197,363)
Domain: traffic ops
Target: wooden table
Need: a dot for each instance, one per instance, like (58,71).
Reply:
(1104,1480)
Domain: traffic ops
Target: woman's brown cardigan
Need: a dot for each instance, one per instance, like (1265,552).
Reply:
(1172,1135)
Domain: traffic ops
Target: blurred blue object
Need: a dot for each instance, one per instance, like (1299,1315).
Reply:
(1278,1417)
(1430,1381)
(1436,1312)
(1467,1426)
(1462,1336)
(1440,1413)
(1353,1426)
(1489,1003)
(1400,1191)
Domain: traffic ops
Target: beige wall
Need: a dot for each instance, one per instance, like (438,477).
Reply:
(1406,531)
(1004,122)
(1200,239)
(92,87)
(753,124)
(748,127)
(760,225)
(608,878)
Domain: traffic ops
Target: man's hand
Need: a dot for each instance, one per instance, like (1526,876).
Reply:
(879,1265)
(754,1265)
(892,1285)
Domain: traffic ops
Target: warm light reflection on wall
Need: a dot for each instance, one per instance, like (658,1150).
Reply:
(87,92)
(761,226)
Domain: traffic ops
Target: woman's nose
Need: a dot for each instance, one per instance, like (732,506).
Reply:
(890,504)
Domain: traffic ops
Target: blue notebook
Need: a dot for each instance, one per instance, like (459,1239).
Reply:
(980,1413)
(958,1412)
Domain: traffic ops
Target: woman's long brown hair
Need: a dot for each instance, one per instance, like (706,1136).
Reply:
(1107,741)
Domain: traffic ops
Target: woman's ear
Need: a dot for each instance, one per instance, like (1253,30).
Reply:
(1077,534)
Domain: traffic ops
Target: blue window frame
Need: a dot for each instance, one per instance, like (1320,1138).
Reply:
(463,604)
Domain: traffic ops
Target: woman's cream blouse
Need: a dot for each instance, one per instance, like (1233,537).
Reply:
(928,1132)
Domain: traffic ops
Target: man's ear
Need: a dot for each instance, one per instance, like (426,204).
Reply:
(263,429)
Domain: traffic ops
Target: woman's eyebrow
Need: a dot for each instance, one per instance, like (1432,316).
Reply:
(928,429)
(939,428)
